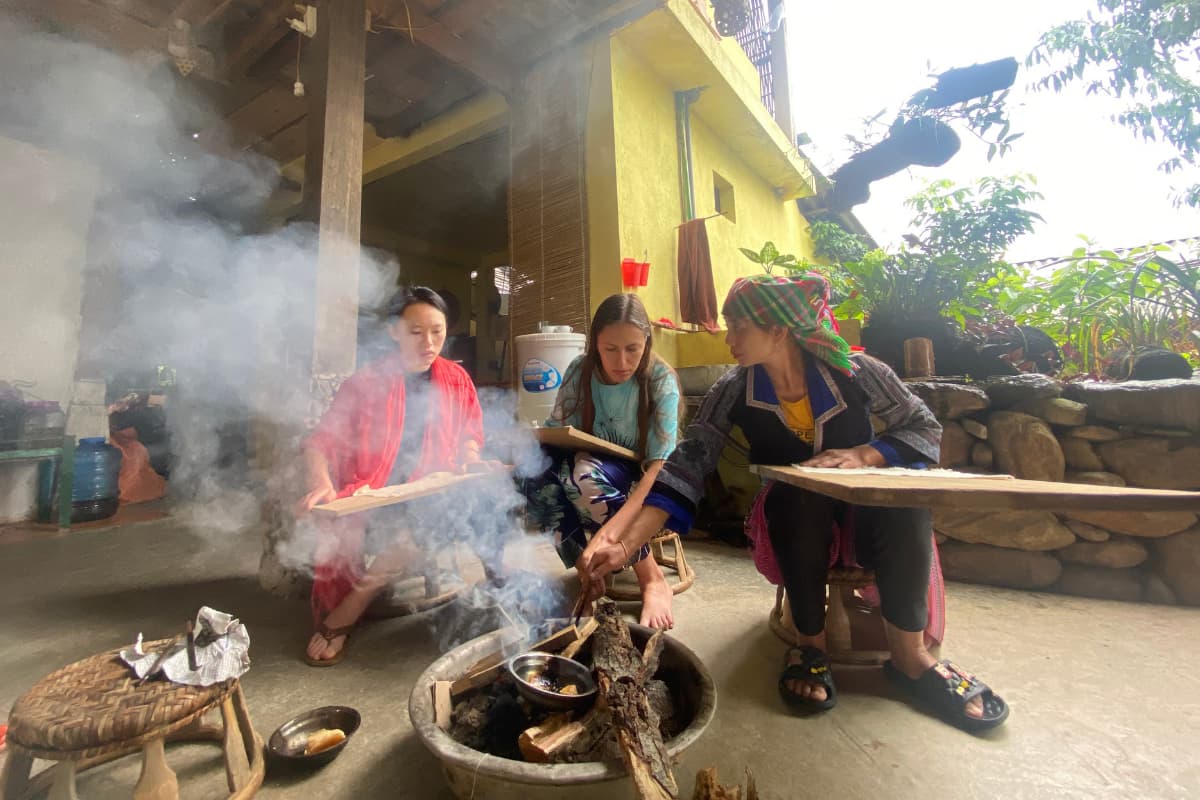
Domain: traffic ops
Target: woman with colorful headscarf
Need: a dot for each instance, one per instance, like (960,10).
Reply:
(799,395)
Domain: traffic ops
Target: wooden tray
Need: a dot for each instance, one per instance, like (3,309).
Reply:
(574,439)
(430,484)
(983,493)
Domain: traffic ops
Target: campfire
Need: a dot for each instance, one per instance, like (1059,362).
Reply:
(600,694)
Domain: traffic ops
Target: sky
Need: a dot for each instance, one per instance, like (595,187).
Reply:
(850,60)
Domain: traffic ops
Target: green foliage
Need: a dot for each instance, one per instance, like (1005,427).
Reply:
(1097,302)
(960,235)
(769,257)
(1145,52)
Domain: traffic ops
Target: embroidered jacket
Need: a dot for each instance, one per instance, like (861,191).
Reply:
(842,408)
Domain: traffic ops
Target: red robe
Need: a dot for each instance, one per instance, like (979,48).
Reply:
(360,437)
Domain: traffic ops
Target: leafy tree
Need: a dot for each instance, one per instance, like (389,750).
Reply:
(957,242)
(1145,52)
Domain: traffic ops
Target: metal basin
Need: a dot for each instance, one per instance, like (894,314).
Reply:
(472,773)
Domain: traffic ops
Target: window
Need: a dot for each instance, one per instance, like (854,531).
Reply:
(723,197)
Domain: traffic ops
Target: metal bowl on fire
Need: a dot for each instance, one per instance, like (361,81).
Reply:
(552,682)
(310,739)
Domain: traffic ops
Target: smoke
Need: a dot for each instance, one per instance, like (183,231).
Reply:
(191,283)
(194,283)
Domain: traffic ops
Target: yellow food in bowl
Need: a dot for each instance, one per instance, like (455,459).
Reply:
(323,739)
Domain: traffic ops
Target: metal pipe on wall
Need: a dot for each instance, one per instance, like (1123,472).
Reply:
(683,145)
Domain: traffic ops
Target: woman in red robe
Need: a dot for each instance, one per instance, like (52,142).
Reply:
(401,417)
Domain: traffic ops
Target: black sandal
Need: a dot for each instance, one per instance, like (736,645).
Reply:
(945,689)
(813,668)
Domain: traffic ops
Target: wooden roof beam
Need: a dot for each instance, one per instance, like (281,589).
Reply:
(263,33)
(106,26)
(471,55)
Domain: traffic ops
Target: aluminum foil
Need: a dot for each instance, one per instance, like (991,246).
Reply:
(222,652)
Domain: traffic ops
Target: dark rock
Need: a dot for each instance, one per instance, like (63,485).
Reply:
(982,455)
(1093,433)
(1157,591)
(1158,404)
(1080,454)
(1055,410)
(1153,463)
(998,566)
(974,427)
(956,445)
(1025,447)
(1114,554)
(1089,533)
(1147,524)
(1095,478)
(1101,582)
(1178,561)
(1008,392)
(1021,530)
(949,400)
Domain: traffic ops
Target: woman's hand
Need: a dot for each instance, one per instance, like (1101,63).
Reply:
(315,497)
(600,559)
(852,458)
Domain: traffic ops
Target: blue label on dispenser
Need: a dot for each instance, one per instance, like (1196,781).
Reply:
(538,376)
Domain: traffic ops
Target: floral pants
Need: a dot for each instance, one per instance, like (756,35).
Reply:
(576,496)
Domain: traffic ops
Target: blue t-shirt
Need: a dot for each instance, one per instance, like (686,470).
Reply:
(617,409)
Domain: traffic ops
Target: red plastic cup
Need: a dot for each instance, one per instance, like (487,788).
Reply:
(629,272)
(643,273)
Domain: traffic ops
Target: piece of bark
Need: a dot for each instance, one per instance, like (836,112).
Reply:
(620,671)
(709,788)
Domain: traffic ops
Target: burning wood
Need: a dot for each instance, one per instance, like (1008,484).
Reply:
(632,716)
(622,672)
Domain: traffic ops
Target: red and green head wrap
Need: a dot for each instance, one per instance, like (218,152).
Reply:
(798,302)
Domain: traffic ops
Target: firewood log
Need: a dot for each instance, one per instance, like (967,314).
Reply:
(709,788)
(621,673)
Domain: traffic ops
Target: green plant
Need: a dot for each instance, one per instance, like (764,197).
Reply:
(1143,51)
(959,235)
(1097,302)
(769,257)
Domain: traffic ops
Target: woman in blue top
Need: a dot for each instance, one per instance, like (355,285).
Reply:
(622,392)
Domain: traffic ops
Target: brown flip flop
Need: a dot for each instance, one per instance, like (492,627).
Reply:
(329,634)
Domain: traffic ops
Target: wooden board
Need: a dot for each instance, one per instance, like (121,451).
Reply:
(574,439)
(430,484)
(983,494)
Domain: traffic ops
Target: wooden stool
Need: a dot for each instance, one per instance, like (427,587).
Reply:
(677,563)
(94,711)
(843,585)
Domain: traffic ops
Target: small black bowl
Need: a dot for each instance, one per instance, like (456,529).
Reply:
(287,743)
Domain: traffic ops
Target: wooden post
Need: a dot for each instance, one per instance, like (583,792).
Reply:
(333,184)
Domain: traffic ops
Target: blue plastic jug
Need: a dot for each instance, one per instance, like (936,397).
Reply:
(95,493)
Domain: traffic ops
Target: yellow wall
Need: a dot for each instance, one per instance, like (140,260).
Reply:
(650,210)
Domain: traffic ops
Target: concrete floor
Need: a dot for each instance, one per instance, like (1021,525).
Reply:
(1101,693)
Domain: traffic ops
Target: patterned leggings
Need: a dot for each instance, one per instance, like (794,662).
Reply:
(577,495)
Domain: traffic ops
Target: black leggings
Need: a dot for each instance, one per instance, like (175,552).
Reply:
(896,542)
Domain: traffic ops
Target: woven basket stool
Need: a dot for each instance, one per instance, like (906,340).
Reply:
(94,711)
(842,584)
(624,590)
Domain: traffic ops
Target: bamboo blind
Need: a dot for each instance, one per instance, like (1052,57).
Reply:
(547,199)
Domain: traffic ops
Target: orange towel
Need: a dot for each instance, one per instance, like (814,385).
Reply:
(138,481)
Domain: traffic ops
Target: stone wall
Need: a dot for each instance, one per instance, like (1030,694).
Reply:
(1143,434)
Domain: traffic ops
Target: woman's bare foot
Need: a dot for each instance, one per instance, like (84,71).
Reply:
(807,689)
(656,595)
(911,657)
(346,614)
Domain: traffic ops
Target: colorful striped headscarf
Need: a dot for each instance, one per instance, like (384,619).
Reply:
(799,302)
